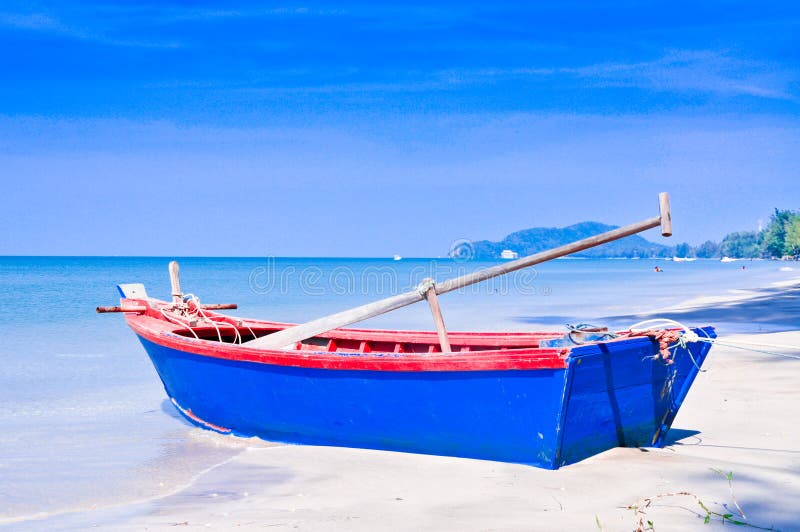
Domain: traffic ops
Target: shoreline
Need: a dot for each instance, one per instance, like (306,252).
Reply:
(316,488)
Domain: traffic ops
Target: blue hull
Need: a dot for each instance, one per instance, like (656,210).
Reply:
(608,395)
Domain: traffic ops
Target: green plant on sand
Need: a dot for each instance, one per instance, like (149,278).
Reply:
(643,524)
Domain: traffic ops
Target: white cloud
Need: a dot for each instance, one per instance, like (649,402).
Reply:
(46,23)
(704,71)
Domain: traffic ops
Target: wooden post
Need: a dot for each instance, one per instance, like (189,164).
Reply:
(219,306)
(665,215)
(175,281)
(438,319)
(291,335)
(128,308)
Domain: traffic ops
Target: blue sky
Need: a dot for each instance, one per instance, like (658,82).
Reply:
(367,129)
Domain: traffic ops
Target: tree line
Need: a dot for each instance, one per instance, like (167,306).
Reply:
(779,240)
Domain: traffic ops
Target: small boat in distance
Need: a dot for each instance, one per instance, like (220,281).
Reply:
(684,259)
(727,259)
(546,399)
(397,257)
(508,254)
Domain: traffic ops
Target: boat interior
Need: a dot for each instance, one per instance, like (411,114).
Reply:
(372,341)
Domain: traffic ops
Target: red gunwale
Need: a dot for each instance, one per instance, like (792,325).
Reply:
(152,326)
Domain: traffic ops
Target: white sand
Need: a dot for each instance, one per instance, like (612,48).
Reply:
(740,416)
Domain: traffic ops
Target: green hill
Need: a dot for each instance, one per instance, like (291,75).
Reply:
(529,241)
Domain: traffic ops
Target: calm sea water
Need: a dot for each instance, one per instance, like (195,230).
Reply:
(85,421)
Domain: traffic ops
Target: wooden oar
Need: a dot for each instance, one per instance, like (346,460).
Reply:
(291,335)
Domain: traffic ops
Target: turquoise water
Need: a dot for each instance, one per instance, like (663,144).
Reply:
(84,416)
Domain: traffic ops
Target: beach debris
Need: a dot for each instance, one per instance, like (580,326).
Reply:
(735,517)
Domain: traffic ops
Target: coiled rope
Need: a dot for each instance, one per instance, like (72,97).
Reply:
(687,335)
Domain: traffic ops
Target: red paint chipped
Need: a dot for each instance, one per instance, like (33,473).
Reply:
(188,413)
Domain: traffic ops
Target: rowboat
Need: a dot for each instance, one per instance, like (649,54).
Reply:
(547,399)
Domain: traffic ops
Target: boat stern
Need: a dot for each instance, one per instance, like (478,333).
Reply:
(624,394)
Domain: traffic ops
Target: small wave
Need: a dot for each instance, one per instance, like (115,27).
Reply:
(787,269)
(231,441)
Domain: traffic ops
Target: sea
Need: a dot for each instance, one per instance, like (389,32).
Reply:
(86,423)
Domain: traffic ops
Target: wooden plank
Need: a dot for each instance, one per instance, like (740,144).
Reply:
(140,308)
(290,335)
(175,282)
(438,319)
(132,291)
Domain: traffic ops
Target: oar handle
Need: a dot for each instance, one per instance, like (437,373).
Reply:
(664,214)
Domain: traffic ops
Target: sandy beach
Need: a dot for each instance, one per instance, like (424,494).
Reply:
(737,419)
(468,228)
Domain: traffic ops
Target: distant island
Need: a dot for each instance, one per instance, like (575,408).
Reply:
(779,240)
(529,241)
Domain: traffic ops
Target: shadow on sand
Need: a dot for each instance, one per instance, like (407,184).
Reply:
(769,310)
(773,308)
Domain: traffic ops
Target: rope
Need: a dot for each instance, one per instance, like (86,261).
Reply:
(190,308)
(424,286)
(199,310)
(173,319)
(686,336)
(778,346)
(762,351)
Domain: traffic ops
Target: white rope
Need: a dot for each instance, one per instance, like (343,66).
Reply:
(690,336)
(177,313)
(759,344)
(238,337)
(244,324)
(193,298)
(173,319)
(763,351)
(199,310)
